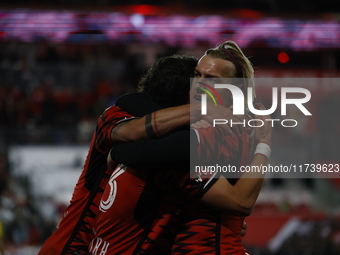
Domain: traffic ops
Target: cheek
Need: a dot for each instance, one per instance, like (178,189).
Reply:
(191,93)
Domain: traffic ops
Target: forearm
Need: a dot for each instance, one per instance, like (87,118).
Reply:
(246,190)
(238,199)
(161,123)
(249,185)
(154,125)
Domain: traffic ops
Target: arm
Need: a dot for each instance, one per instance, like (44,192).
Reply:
(159,122)
(153,125)
(165,120)
(241,197)
(222,195)
(154,122)
(237,199)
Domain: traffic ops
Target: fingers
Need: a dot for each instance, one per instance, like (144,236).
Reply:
(201,124)
(205,124)
(261,107)
(224,118)
(194,125)
(232,124)
(244,225)
(243,232)
(248,129)
(244,229)
(238,124)
(235,130)
(228,130)
(263,131)
(224,126)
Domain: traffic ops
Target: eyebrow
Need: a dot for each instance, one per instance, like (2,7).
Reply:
(207,75)
(212,76)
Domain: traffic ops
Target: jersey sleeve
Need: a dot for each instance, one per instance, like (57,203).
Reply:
(222,153)
(216,146)
(111,117)
(180,180)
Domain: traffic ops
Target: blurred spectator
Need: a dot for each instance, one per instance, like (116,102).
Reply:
(313,237)
(68,85)
(3,173)
(21,223)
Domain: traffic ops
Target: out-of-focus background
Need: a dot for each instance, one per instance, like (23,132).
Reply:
(63,62)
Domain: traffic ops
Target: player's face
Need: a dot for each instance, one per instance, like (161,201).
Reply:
(212,68)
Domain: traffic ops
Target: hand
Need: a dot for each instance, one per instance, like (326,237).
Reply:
(244,229)
(220,112)
(201,124)
(248,129)
(263,134)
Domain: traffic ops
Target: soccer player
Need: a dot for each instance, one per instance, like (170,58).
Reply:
(74,232)
(129,226)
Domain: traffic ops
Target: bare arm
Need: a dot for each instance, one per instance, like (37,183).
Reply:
(153,125)
(162,122)
(241,197)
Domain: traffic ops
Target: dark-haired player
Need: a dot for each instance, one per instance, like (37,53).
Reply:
(138,215)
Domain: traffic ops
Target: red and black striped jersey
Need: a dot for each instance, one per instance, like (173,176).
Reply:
(156,211)
(74,232)
(139,209)
(202,230)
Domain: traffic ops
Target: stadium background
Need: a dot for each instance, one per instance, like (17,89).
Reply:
(63,62)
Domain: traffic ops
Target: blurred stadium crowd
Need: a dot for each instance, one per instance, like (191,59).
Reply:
(41,104)
(53,94)
(276,6)
(60,86)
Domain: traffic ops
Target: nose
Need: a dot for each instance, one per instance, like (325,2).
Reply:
(194,83)
(198,82)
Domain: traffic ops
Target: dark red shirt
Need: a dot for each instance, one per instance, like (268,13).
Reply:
(202,230)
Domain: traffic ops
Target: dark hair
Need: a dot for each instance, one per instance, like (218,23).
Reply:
(168,80)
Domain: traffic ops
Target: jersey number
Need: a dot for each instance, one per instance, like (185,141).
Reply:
(105,205)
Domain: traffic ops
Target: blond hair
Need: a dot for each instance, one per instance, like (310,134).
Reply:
(230,51)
